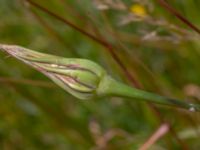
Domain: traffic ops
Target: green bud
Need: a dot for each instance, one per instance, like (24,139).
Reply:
(80,77)
(85,79)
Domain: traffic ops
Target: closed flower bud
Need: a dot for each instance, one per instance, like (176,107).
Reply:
(80,77)
(85,79)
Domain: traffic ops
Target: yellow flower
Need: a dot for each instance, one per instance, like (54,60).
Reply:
(138,10)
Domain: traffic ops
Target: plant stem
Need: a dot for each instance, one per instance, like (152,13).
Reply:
(173,11)
(104,43)
(114,88)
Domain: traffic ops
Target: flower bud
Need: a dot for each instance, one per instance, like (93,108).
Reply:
(85,79)
(80,77)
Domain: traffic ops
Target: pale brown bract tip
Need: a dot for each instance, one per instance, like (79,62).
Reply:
(10,49)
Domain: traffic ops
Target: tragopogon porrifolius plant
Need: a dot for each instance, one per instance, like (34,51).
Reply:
(85,79)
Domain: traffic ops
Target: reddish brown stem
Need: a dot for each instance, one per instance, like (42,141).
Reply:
(161,131)
(52,32)
(173,11)
(104,43)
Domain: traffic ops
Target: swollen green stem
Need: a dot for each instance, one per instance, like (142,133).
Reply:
(114,88)
(85,79)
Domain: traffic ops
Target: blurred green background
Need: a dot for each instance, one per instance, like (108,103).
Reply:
(161,53)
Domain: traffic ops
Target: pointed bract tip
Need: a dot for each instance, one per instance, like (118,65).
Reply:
(11,49)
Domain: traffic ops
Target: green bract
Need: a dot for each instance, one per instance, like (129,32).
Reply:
(85,79)
(80,77)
